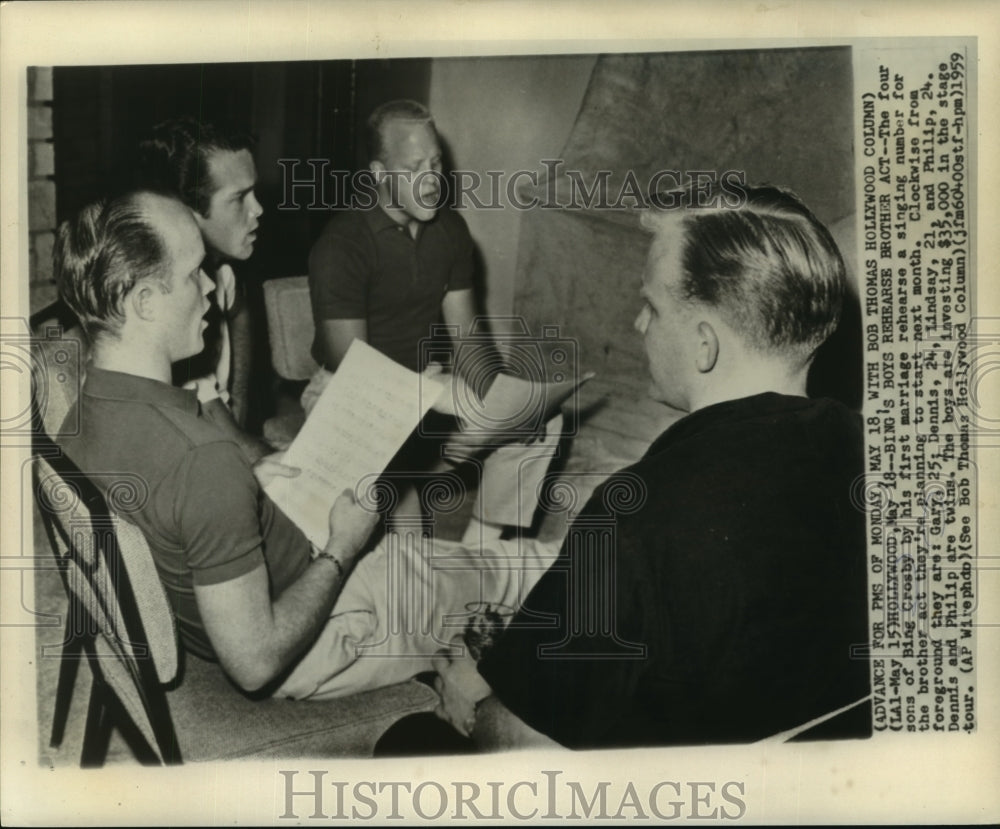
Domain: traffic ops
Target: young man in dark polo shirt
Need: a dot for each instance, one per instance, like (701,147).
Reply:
(385,273)
(716,590)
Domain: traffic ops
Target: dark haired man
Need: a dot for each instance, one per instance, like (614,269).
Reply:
(734,585)
(212,171)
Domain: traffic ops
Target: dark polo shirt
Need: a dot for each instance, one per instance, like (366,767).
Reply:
(366,266)
(197,500)
(710,593)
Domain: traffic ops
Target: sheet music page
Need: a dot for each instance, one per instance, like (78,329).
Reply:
(514,405)
(366,412)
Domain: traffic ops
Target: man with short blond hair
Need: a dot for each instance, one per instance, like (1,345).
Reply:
(244,584)
(733,596)
(388,271)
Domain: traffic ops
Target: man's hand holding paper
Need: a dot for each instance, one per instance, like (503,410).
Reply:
(350,525)
(514,410)
(372,405)
(365,413)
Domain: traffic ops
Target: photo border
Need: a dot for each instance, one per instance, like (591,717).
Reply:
(890,778)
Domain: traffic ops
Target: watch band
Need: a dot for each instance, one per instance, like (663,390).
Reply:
(318,554)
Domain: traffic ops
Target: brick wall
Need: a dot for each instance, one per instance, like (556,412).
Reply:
(41,188)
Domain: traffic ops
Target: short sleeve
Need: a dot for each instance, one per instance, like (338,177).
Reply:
(573,681)
(340,271)
(218,514)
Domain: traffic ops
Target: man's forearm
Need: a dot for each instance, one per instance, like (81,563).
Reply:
(256,638)
(336,337)
(472,357)
(303,608)
(499,729)
(472,353)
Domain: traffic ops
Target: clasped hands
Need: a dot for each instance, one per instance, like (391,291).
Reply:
(460,687)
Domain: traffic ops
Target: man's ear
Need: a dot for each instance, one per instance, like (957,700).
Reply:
(199,219)
(142,300)
(378,168)
(707,353)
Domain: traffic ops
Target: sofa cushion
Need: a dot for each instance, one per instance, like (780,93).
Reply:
(214,720)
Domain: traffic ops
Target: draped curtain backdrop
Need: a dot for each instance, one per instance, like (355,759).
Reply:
(779,116)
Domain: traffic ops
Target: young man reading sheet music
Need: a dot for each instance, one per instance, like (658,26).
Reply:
(246,586)
(387,273)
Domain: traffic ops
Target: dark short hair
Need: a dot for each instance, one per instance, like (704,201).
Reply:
(101,254)
(769,265)
(398,110)
(174,158)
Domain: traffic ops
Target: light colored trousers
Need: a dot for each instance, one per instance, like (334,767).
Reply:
(406,600)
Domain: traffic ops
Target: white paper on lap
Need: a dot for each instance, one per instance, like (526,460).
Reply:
(362,418)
